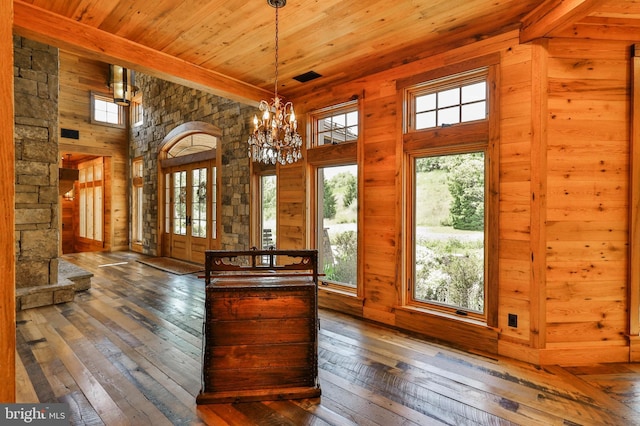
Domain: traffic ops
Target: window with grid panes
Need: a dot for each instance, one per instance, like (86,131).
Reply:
(447,163)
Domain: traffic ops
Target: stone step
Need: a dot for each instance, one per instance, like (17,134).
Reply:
(80,277)
(71,278)
(43,295)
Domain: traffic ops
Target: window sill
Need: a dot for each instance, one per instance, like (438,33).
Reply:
(445,315)
(336,290)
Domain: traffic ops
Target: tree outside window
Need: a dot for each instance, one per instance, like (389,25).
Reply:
(338,224)
(449,230)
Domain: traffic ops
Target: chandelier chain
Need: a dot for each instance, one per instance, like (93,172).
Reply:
(276,83)
(275,137)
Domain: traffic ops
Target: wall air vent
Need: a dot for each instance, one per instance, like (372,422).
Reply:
(70,134)
(307,76)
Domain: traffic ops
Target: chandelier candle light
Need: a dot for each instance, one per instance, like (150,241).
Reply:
(275,138)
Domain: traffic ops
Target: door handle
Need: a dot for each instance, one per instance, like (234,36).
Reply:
(188,220)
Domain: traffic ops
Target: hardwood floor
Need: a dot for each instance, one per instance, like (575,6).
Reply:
(128,351)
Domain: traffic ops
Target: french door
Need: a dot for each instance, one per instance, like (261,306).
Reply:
(190,210)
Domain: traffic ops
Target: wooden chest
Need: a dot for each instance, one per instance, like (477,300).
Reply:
(260,337)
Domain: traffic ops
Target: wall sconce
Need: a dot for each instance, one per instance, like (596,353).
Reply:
(69,195)
(67,175)
(122,82)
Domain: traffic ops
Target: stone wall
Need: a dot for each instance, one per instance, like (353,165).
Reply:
(36,147)
(168,105)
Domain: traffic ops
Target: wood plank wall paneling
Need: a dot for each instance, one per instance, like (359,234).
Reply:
(634,211)
(78,78)
(380,202)
(515,209)
(119,168)
(108,174)
(564,170)
(380,188)
(539,127)
(66,233)
(7,204)
(292,207)
(588,172)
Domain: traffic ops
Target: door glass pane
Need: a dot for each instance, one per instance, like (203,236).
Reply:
(448,234)
(138,199)
(98,172)
(98,203)
(82,210)
(167,202)
(337,215)
(199,203)
(90,215)
(180,203)
(91,200)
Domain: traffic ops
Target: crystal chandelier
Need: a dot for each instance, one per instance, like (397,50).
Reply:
(275,138)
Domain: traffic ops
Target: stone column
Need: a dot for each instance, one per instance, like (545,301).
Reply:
(36,202)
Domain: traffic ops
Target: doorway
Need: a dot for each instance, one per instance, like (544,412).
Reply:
(191,211)
(189,197)
(85,205)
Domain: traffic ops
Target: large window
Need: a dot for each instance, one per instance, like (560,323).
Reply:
(449,230)
(337,224)
(449,201)
(136,110)
(333,159)
(137,199)
(268,236)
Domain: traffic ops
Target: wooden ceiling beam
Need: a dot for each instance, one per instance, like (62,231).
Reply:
(7,217)
(43,26)
(554,15)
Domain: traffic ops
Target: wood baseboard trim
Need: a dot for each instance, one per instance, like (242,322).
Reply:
(567,356)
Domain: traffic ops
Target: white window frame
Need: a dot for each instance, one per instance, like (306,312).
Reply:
(98,100)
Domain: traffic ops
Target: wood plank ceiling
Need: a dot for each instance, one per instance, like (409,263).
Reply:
(228,46)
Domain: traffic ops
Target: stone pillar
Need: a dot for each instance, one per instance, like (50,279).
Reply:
(36,168)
